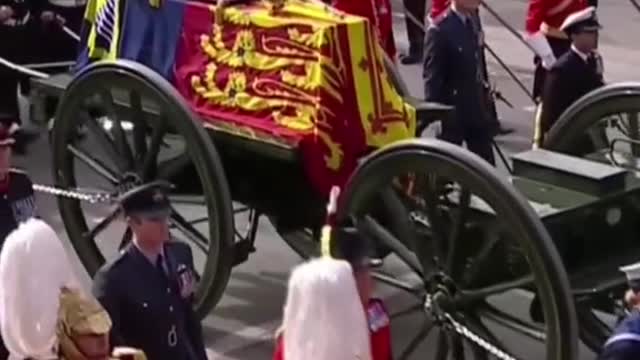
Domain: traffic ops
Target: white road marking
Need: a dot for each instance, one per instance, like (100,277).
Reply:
(245,337)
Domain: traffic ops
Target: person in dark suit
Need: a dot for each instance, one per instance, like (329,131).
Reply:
(453,75)
(576,73)
(20,42)
(415,31)
(148,289)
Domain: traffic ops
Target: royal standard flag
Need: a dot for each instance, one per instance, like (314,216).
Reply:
(100,31)
(305,74)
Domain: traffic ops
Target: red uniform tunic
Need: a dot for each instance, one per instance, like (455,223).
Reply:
(548,15)
(438,8)
(378,12)
(544,19)
(378,328)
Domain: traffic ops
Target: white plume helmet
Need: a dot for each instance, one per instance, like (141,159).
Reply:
(323,316)
(33,269)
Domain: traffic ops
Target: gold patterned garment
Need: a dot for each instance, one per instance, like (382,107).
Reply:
(81,315)
(302,73)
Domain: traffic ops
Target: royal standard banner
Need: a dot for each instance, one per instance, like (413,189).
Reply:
(306,74)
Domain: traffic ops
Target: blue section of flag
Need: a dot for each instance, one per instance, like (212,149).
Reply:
(150,35)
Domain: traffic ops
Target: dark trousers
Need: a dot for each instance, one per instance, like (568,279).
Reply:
(15,48)
(559,47)
(417,8)
(478,142)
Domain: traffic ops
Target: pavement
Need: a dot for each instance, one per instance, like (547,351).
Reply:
(243,324)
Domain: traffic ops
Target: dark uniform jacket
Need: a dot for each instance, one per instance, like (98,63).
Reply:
(453,75)
(17,202)
(624,344)
(570,78)
(147,314)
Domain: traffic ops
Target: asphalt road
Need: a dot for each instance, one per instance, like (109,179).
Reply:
(243,324)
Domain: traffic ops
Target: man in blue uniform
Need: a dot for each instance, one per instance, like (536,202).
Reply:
(453,75)
(148,289)
(576,73)
(624,344)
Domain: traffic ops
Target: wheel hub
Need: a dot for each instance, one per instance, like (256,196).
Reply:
(439,298)
(128,181)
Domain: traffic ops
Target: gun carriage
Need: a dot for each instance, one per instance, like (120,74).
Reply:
(556,229)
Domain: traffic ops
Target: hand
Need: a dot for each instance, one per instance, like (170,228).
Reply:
(6,13)
(548,61)
(47,16)
(60,20)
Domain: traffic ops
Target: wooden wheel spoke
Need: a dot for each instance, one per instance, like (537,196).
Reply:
(151,156)
(470,296)
(420,337)
(120,138)
(457,227)
(100,226)
(531,330)
(398,217)
(411,309)
(456,345)
(139,127)
(593,331)
(435,216)
(189,230)
(378,232)
(171,168)
(188,200)
(94,164)
(482,257)
(106,142)
(399,284)
(442,347)
(598,137)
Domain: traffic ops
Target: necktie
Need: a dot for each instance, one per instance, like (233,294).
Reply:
(160,269)
(475,44)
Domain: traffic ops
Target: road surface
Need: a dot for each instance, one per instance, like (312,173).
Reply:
(243,324)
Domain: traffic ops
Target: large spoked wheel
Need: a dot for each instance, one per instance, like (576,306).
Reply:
(604,126)
(477,251)
(591,124)
(119,125)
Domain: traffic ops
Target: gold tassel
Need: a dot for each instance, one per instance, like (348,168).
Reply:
(537,128)
(155,3)
(332,208)
(325,240)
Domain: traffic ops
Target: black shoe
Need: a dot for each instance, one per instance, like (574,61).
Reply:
(23,138)
(505,131)
(414,57)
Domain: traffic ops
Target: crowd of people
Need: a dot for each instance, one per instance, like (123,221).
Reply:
(32,31)
(141,302)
